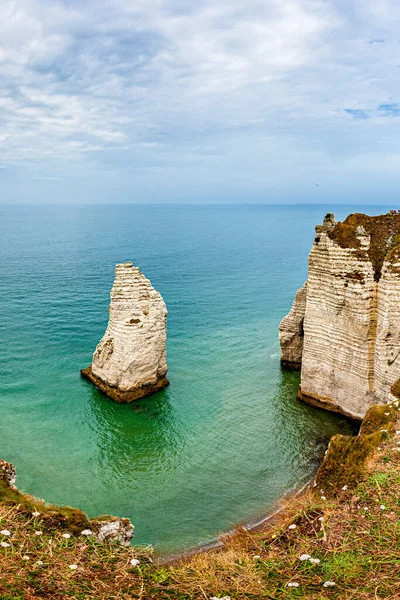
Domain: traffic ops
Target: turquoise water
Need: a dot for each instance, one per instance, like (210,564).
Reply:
(228,437)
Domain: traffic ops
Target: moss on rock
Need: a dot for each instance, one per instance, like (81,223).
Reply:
(346,458)
(383,229)
(60,518)
(395,389)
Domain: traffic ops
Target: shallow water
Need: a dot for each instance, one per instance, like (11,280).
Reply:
(228,437)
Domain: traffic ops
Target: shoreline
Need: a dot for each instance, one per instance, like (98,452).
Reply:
(9,478)
(216,543)
(36,557)
(292,494)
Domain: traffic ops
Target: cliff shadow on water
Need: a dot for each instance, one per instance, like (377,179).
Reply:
(309,428)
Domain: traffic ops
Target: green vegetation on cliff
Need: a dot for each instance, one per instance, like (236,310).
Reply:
(383,229)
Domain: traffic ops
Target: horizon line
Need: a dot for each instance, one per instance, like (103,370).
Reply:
(47,204)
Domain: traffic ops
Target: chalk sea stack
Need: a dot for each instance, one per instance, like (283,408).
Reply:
(343,330)
(130,359)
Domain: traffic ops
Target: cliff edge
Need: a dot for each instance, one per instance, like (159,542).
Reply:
(344,329)
(60,518)
(130,359)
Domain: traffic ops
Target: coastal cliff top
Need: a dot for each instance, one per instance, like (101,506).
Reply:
(384,231)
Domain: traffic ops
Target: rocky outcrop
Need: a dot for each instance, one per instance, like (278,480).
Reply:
(111,529)
(8,473)
(291,331)
(73,520)
(130,360)
(346,458)
(351,343)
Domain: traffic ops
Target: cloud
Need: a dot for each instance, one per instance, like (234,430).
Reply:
(134,93)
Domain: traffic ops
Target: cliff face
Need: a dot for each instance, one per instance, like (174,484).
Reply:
(351,343)
(291,331)
(130,359)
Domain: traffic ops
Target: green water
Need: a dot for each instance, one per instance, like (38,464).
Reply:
(228,437)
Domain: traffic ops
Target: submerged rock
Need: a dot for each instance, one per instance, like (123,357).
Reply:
(130,359)
(349,315)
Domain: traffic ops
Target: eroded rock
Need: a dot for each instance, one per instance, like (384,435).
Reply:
(351,346)
(113,528)
(130,360)
(291,331)
(73,520)
(8,473)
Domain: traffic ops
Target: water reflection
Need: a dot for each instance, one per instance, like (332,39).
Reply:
(141,437)
(306,429)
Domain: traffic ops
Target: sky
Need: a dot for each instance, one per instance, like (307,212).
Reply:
(214,101)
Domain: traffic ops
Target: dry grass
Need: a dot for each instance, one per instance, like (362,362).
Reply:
(384,231)
(354,538)
(395,389)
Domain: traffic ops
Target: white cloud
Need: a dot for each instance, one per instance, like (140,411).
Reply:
(112,86)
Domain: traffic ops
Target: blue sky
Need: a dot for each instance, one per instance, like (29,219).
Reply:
(199,101)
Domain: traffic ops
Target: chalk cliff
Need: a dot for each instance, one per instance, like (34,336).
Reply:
(291,331)
(130,359)
(346,319)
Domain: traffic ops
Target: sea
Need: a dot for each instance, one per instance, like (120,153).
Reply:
(227,439)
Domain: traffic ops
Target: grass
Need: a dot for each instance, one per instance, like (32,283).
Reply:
(395,389)
(353,532)
(385,237)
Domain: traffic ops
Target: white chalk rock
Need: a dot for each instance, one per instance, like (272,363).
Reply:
(350,353)
(291,332)
(130,359)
